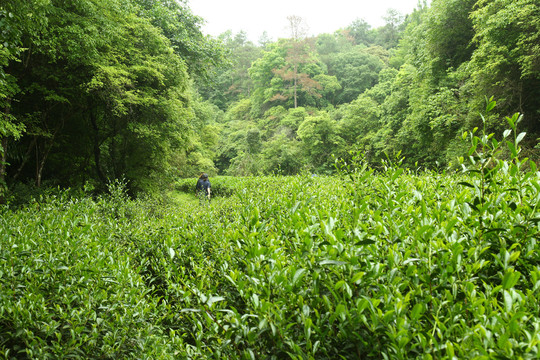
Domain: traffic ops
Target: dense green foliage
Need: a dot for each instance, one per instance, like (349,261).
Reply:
(97,90)
(409,87)
(365,264)
(102,90)
(382,259)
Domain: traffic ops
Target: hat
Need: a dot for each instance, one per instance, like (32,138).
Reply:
(205,176)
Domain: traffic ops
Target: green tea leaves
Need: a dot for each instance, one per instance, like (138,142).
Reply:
(213,299)
(298,275)
(408,264)
(510,279)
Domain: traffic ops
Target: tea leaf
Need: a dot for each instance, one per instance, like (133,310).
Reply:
(417,311)
(298,275)
(510,279)
(520,137)
(214,299)
(332,262)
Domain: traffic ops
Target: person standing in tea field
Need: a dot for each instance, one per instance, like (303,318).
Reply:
(203,188)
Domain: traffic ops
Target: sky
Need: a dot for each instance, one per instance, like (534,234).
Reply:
(254,17)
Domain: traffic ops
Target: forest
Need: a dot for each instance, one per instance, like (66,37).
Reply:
(410,88)
(375,192)
(97,90)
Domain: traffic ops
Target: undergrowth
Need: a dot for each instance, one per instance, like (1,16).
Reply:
(377,265)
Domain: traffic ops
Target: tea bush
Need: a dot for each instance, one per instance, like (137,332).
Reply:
(222,186)
(389,264)
(68,290)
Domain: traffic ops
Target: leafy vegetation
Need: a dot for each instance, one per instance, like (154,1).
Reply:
(97,90)
(412,86)
(369,263)
(347,245)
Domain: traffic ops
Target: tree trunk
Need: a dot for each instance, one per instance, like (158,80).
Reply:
(25,159)
(40,163)
(295,85)
(113,152)
(97,150)
(3,164)
(3,187)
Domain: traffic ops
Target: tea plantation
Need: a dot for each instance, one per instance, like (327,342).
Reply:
(367,264)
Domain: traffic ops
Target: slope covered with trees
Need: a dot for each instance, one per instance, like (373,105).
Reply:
(410,87)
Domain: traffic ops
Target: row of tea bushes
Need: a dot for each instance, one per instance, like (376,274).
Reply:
(389,265)
(68,288)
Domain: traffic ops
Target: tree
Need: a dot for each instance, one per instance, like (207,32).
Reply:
(297,82)
(282,155)
(233,82)
(233,145)
(201,151)
(357,70)
(360,32)
(298,28)
(449,33)
(388,36)
(289,123)
(202,54)
(264,39)
(284,75)
(361,118)
(393,93)
(320,140)
(328,45)
(105,90)
(329,87)
(506,62)
(21,22)
(298,54)
(261,73)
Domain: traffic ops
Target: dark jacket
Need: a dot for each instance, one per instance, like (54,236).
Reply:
(203,185)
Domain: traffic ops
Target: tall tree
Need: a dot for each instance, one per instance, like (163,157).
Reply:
(360,32)
(21,23)
(357,71)
(388,36)
(202,54)
(449,33)
(507,61)
(105,90)
(320,140)
(298,29)
(298,53)
(232,83)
